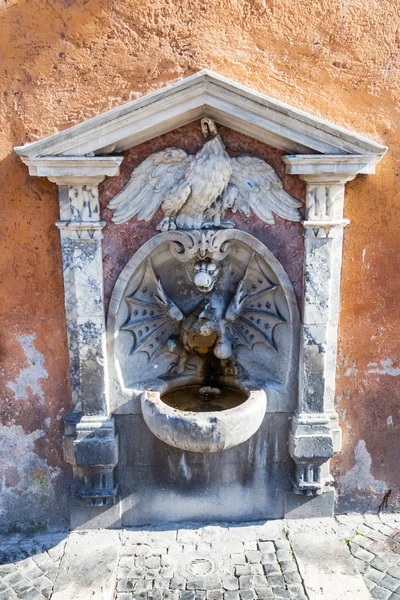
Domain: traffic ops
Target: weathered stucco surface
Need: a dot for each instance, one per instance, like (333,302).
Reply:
(62,62)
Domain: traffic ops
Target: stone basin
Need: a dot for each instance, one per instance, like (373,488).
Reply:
(206,431)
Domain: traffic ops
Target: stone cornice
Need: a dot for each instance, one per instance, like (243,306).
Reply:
(334,168)
(204,94)
(72,170)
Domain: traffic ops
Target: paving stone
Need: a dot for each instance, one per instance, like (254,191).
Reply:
(380,593)
(394,597)
(370,533)
(242,570)
(363,554)
(152,574)
(214,595)
(264,593)
(267,547)
(386,530)
(389,583)
(268,557)
(284,555)
(250,546)
(201,595)
(140,562)
(364,542)
(29,594)
(361,565)
(13,578)
(5,569)
(247,594)
(260,581)
(153,562)
(9,595)
(166,572)
(143,585)
(21,587)
(197,583)
(126,585)
(394,571)
(171,595)
(178,583)
(282,544)
(231,596)
(275,580)
(254,556)
(230,583)
(187,595)
(280,593)
(271,569)
(292,577)
(245,582)
(288,566)
(124,596)
(43,583)
(238,559)
(381,564)
(256,569)
(296,590)
(374,575)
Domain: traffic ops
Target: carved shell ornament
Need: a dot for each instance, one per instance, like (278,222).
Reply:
(195,191)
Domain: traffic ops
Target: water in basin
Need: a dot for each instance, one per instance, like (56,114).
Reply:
(198,398)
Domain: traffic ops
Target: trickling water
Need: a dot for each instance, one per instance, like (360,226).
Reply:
(197,398)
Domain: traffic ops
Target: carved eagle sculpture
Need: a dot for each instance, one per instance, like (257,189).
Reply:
(195,191)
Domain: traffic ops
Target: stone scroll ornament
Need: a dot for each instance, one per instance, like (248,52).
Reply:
(195,191)
(217,325)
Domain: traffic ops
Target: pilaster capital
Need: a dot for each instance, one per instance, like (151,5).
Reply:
(74,170)
(330,169)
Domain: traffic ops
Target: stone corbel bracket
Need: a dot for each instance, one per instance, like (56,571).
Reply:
(315,435)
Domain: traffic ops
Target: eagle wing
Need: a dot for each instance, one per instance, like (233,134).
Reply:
(156,179)
(260,189)
(252,314)
(153,316)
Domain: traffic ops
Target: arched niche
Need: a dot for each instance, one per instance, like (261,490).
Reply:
(267,353)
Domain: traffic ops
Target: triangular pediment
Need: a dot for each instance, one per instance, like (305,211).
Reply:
(203,94)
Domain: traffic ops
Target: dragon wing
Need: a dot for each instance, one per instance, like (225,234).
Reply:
(153,316)
(252,312)
(260,189)
(150,183)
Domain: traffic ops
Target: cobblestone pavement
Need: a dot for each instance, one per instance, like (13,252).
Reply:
(375,544)
(197,565)
(29,565)
(205,563)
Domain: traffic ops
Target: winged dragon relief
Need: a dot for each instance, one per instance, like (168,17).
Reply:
(195,191)
(220,321)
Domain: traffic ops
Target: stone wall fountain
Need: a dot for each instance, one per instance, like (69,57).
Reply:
(203,395)
(204,321)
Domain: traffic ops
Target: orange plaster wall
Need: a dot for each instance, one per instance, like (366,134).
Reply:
(62,62)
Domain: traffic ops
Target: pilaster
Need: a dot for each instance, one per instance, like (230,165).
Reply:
(90,441)
(315,435)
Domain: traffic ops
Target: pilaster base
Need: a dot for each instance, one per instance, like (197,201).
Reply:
(311,446)
(91,447)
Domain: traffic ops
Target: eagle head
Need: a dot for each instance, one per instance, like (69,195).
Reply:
(208,128)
